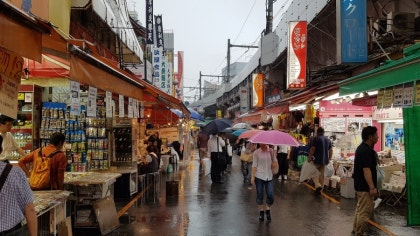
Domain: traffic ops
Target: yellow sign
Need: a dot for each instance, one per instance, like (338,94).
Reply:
(21,96)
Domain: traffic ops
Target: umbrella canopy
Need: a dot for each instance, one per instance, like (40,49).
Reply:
(217,125)
(195,115)
(274,137)
(177,112)
(249,133)
(241,126)
(239,132)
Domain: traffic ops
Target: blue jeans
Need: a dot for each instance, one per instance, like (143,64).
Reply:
(269,191)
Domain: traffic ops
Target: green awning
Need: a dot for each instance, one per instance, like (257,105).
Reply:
(390,74)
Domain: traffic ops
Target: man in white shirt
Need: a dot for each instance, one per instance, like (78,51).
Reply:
(283,160)
(214,147)
(9,143)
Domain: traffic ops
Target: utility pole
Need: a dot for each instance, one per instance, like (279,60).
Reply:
(269,17)
(228,57)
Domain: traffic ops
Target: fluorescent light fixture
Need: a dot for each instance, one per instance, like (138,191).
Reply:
(396,121)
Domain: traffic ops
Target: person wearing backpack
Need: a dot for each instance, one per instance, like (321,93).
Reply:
(49,165)
(17,197)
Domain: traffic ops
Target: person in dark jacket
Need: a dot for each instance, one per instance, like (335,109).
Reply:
(365,179)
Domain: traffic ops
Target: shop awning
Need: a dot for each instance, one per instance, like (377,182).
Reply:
(49,67)
(20,32)
(390,74)
(93,70)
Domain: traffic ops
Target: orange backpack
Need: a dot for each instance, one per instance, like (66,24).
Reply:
(41,174)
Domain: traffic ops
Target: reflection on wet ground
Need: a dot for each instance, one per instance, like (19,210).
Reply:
(203,208)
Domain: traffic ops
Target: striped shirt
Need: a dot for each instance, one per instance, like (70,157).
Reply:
(14,196)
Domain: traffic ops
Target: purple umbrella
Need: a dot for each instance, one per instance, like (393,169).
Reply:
(274,137)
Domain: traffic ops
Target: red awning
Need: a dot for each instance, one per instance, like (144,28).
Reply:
(50,67)
(20,32)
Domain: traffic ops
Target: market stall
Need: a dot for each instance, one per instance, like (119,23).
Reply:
(54,203)
(88,188)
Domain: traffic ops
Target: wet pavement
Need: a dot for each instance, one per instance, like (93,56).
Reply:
(203,208)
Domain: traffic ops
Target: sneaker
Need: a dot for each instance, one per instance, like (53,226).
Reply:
(280,178)
(377,202)
(268,215)
(261,216)
(284,177)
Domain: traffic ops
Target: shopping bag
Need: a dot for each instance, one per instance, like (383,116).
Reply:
(308,171)
(380,176)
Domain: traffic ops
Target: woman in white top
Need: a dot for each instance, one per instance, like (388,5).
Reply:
(262,176)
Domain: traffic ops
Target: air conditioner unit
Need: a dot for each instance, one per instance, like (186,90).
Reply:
(400,22)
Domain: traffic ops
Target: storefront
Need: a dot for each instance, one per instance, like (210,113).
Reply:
(397,83)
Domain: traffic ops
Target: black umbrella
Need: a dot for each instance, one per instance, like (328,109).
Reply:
(217,126)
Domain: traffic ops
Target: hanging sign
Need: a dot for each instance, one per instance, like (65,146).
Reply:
(130,108)
(296,55)
(75,98)
(257,90)
(417,92)
(149,21)
(121,105)
(108,104)
(91,105)
(10,73)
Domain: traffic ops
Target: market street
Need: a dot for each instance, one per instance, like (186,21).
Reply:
(203,208)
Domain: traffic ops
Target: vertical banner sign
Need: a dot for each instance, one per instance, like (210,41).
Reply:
(296,55)
(91,105)
(121,105)
(243,99)
(388,97)
(351,31)
(159,32)
(157,63)
(108,104)
(417,92)
(408,95)
(130,108)
(380,98)
(11,66)
(169,79)
(179,76)
(163,81)
(136,108)
(149,21)
(257,90)
(75,98)
(141,109)
(398,96)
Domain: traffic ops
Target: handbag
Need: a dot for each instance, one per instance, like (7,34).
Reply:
(247,157)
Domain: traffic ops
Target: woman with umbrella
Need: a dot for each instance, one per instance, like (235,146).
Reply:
(215,146)
(262,177)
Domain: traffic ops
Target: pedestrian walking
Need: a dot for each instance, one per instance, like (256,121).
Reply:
(246,162)
(215,148)
(365,179)
(283,152)
(320,153)
(262,177)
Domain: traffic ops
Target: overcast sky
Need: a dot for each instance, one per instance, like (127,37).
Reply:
(202,28)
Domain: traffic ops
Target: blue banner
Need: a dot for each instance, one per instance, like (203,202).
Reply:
(353,28)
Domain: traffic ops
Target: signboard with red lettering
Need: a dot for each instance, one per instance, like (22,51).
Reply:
(296,55)
(10,73)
